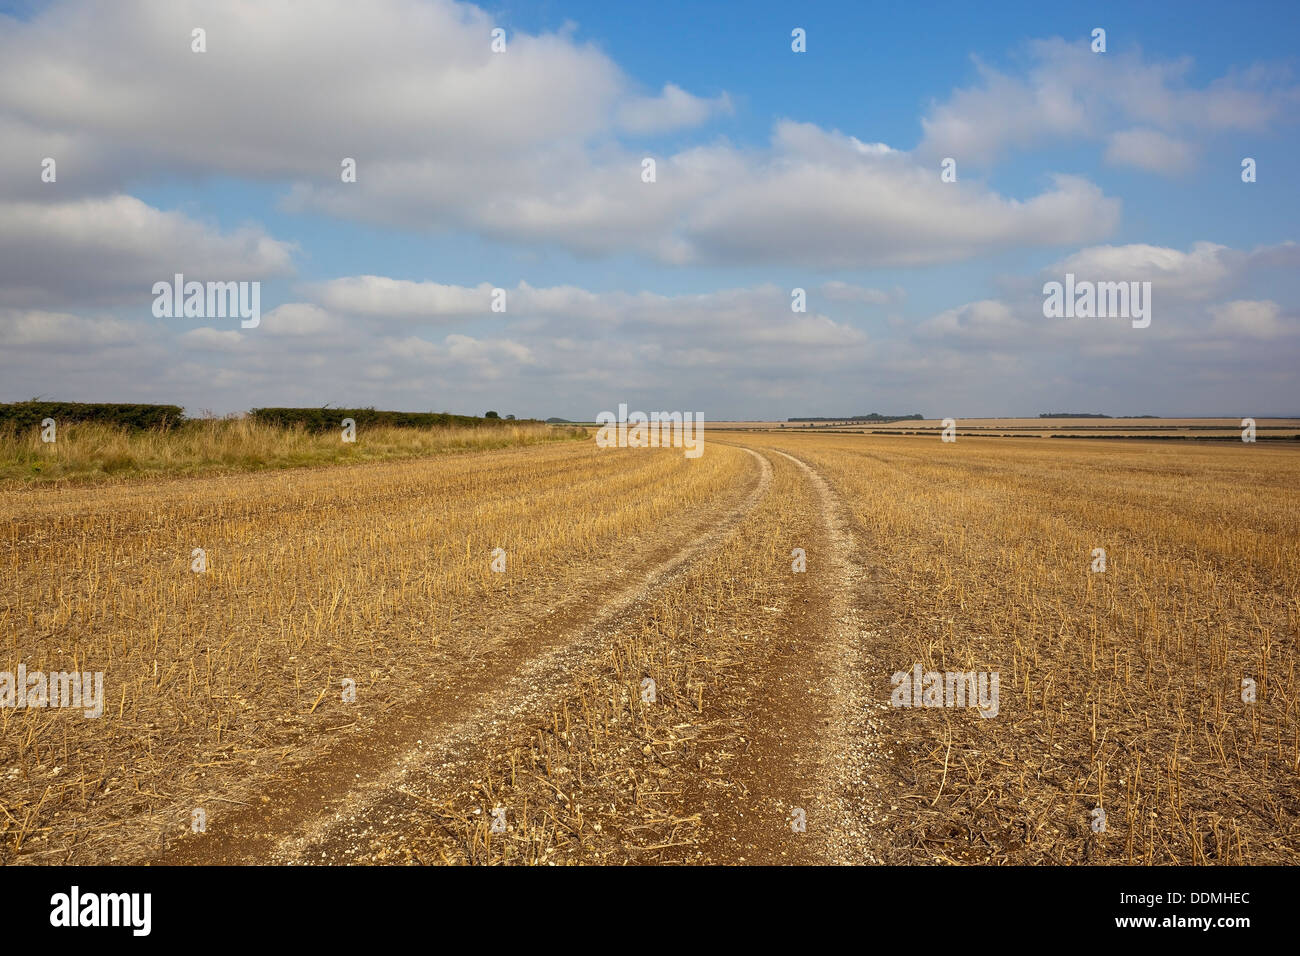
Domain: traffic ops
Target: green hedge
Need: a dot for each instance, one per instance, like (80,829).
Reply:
(31,414)
(325,419)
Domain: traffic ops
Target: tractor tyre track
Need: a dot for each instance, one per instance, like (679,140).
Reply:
(327,811)
(812,729)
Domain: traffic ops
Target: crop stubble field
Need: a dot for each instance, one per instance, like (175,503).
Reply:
(522,691)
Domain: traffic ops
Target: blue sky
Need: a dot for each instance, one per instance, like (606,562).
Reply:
(520,170)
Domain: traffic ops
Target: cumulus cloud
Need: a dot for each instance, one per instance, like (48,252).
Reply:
(58,333)
(673,108)
(1068,93)
(268,98)
(988,320)
(522,147)
(111,250)
(370,295)
(564,340)
(213,340)
(1149,149)
(577,351)
(726,318)
(1256,319)
(542,147)
(827,199)
(484,358)
(1191,327)
(818,198)
(1207,269)
(837,291)
(303,320)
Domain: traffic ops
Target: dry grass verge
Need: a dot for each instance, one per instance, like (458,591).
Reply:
(97,452)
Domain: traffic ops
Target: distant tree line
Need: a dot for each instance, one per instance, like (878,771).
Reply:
(873,417)
(323,419)
(1089,415)
(31,414)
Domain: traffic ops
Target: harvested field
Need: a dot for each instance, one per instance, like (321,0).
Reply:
(653,678)
(1202,429)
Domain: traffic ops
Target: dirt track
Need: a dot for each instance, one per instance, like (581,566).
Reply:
(803,722)
(324,812)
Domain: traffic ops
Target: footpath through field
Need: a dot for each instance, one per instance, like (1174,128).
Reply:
(351,801)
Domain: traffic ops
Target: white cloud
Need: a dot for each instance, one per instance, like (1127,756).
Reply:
(821,199)
(572,351)
(269,97)
(977,123)
(837,291)
(542,146)
(1193,274)
(213,340)
(447,136)
(1253,318)
(988,320)
(58,333)
(1068,93)
(674,108)
(488,359)
(305,320)
(380,296)
(1149,149)
(1188,330)
(727,318)
(1206,270)
(112,250)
